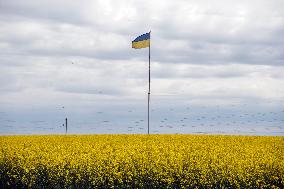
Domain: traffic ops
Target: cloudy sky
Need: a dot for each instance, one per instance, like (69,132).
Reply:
(216,67)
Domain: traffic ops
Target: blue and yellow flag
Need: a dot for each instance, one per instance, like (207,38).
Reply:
(142,41)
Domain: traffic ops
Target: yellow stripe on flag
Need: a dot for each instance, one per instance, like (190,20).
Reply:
(141,44)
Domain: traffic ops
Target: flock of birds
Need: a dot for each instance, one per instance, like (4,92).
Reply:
(193,119)
(206,122)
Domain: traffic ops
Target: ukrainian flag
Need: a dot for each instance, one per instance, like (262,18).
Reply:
(142,41)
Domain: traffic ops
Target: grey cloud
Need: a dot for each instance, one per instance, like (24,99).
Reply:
(62,11)
(78,54)
(185,31)
(222,73)
(89,89)
(190,40)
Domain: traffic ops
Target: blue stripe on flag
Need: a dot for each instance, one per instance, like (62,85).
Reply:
(143,37)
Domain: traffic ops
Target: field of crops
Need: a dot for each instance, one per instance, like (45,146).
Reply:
(141,161)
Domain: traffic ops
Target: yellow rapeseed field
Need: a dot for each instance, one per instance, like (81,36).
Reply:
(141,161)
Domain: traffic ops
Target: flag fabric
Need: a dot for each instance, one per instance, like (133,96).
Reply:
(142,41)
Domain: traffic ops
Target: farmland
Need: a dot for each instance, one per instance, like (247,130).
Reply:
(141,161)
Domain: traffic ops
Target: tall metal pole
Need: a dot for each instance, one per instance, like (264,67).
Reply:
(66,125)
(149,84)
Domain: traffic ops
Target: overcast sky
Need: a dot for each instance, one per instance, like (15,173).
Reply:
(74,58)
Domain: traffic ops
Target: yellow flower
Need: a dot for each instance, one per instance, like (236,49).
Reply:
(167,161)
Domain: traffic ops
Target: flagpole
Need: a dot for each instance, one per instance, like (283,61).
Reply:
(149,84)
